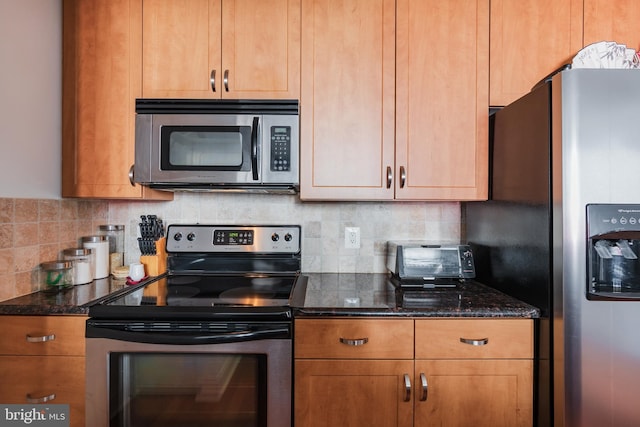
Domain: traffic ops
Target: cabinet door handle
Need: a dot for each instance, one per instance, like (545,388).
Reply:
(407,388)
(43,338)
(225,80)
(212,79)
(43,399)
(354,342)
(389,176)
(403,176)
(481,341)
(425,387)
(131,176)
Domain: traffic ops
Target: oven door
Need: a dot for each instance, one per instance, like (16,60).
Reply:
(225,382)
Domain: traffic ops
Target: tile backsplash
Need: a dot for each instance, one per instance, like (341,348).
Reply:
(33,231)
(37,230)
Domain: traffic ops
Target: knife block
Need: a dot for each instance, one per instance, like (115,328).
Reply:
(155,265)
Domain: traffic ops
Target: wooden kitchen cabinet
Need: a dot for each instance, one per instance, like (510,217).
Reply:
(347,99)
(442,100)
(463,365)
(42,360)
(413,372)
(353,372)
(612,20)
(101,80)
(532,38)
(529,40)
(394,106)
(221,49)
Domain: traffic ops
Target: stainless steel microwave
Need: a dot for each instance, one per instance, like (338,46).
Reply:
(196,144)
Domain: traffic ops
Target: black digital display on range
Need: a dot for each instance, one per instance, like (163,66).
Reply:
(233,237)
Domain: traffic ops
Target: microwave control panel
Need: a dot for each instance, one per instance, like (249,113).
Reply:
(280,148)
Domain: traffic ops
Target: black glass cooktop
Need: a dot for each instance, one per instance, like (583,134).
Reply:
(212,291)
(190,296)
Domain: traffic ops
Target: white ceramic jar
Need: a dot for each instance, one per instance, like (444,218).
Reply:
(100,246)
(82,260)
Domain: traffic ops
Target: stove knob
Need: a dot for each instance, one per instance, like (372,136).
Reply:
(288,237)
(275,237)
(191,237)
(177,237)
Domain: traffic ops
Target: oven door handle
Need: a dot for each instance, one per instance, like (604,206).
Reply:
(189,338)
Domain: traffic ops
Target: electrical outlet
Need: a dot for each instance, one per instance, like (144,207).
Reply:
(352,237)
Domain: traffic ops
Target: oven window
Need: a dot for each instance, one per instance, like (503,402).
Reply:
(187,389)
(205,148)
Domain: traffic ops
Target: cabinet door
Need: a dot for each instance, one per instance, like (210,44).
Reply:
(260,49)
(442,99)
(181,49)
(479,393)
(612,20)
(101,80)
(529,40)
(40,379)
(221,49)
(370,393)
(347,99)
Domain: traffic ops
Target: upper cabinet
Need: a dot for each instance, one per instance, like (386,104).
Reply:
(394,107)
(442,98)
(529,40)
(532,38)
(101,79)
(347,99)
(612,20)
(221,49)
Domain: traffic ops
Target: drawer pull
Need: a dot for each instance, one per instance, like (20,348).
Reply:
(354,342)
(425,387)
(43,399)
(407,388)
(43,338)
(481,341)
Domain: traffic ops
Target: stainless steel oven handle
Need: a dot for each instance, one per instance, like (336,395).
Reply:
(254,148)
(190,338)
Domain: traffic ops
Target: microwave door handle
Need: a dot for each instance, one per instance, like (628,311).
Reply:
(254,148)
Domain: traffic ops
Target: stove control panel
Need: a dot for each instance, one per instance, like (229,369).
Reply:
(233,238)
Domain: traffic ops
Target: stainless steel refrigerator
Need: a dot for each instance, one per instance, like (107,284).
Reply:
(561,230)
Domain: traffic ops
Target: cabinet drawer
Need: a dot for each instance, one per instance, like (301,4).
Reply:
(43,335)
(354,338)
(474,339)
(59,379)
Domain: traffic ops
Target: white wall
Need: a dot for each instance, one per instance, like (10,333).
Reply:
(30,98)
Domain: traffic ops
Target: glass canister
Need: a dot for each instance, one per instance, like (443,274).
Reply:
(82,260)
(55,275)
(100,246)
(115,235)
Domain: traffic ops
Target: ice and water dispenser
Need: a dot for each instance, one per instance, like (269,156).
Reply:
(613,249)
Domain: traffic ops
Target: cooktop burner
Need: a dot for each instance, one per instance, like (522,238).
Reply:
(212,291)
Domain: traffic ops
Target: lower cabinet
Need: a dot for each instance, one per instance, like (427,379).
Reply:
(353,393)
(42,360)
(413,372)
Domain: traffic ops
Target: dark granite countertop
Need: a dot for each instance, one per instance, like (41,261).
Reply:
(75,300)
(327,294)
(361,294)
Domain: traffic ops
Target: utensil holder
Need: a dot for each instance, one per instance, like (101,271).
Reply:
(155,265)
